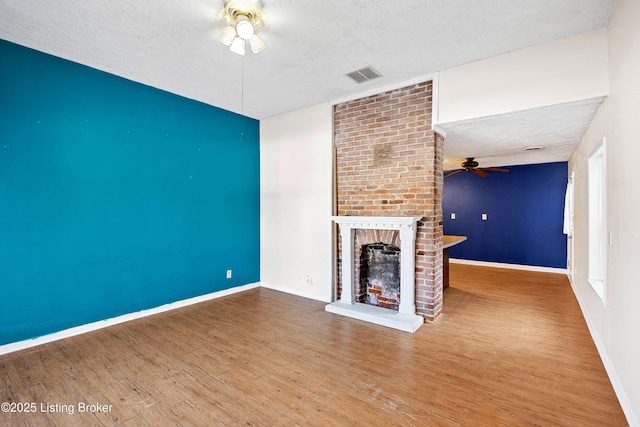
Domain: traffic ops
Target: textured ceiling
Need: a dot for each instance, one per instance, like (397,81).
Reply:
(311,44)
(502,139)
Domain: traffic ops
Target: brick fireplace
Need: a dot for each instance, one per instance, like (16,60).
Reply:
(389,164)
(405,317)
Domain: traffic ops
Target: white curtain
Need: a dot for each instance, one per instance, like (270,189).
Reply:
(568,210)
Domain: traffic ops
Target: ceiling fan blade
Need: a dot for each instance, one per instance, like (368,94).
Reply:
(480,173)
(496,169)
(451,173)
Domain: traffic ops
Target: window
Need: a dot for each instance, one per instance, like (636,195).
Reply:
(597,219)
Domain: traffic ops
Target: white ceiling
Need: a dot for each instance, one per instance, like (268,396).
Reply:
(311,45)
(502,140)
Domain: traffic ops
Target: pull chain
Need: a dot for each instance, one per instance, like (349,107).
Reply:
(242,87)
(242,96)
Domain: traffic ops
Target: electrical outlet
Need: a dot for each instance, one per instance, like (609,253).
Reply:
(484,217)
(308,280)
(229,274)
(453,216)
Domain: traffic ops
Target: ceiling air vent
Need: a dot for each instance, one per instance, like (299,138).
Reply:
(364,74)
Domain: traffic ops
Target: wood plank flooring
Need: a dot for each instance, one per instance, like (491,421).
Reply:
(511,349)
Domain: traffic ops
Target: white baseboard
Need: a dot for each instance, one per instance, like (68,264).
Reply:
(296,292)
(89,327)
(512,266)
(632,419)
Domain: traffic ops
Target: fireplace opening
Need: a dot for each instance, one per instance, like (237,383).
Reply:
(380,275)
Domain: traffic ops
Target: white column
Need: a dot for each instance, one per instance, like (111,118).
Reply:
(348,292)
(407,270)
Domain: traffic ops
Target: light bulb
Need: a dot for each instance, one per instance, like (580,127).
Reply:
(244,28)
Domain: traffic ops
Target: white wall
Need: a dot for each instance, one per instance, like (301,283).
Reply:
(296,169)
(571,69)
(578,165)
(615,322)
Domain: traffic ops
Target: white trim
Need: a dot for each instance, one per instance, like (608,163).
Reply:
(571,268)
(377,315)
(378,222)
(512,266)
(435,99)
(438,129)
(597,236)
(399,85)
(94,326)
(627,408)
(296,292)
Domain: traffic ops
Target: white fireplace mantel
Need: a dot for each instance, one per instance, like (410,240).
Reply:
(405,318)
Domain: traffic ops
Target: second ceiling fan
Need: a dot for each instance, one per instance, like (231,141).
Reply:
(471,165)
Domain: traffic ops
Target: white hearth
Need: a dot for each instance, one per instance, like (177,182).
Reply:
(405,318)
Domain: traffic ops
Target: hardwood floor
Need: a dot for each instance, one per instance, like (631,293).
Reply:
(511,349)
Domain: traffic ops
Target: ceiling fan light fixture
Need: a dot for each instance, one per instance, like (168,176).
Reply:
(237,46)
(469,163)
(257,44)
(244,20)
(227,34)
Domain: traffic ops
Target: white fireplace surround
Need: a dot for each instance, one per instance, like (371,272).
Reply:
(405,318)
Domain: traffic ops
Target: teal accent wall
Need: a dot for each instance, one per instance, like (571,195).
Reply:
(115,197)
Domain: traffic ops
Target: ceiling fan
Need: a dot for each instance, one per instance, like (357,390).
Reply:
(471,165)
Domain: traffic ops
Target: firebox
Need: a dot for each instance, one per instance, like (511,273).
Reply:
(380,275)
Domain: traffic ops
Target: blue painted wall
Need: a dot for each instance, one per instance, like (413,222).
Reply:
(525,211)
(115,196)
